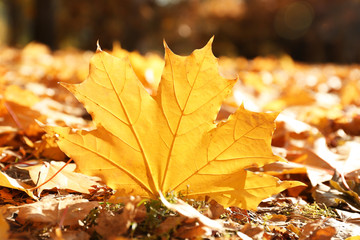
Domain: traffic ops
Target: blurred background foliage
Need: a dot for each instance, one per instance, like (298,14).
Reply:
(311,30)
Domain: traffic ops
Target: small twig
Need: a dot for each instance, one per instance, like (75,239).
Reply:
(51,176)
(61,223)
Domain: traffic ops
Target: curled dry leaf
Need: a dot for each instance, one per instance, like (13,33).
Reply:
(65,179)
(141,141)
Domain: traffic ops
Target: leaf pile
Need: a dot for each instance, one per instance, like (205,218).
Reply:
(193,137)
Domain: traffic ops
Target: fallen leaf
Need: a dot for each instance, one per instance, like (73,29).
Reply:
(142,142)
(337,195)
(170,222)
(4,228)
(207,225)
(189,232)
(251,230)
(188,211)
(350,93)
(47,148)
(10,182)
(292,97)
(14,93)
(254,79)
(109,224)
(52,211)
(58,113)
(6,196)
(22,118)
(215,210)
(315,231)
(65,179)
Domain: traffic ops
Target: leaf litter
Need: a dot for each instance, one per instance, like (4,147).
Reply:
(318,104)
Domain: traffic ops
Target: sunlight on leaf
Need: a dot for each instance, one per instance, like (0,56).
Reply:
(143,145)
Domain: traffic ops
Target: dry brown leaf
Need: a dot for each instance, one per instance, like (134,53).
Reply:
(109,224)
(52,211)
(190,232)
(255,232)
(170,222)
(315,230)
(215,210)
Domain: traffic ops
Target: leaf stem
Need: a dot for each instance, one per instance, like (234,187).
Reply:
(51,176)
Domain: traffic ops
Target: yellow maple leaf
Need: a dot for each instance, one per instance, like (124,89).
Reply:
(147,68)
(144,145)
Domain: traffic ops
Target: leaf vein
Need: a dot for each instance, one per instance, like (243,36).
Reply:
(147,165)
(127,172)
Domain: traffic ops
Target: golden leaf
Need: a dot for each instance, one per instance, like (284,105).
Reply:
(147,68)
(9,182)
(144,145)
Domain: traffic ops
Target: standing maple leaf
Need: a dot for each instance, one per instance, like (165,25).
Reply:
(143,145)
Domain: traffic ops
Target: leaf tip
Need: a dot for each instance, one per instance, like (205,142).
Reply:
(209,43)
(211,40)
(165,45)
(98,48)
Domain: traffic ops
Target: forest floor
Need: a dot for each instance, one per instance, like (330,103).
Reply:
(317,132)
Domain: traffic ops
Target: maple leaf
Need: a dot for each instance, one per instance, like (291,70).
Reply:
(147,68)
(144,145)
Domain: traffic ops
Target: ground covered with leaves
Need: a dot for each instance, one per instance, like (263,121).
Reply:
(271,154)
